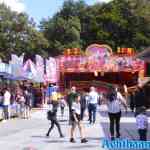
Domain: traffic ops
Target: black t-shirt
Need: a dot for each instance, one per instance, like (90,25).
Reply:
(140,99)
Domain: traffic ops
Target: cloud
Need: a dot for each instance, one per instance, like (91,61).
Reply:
(15,5)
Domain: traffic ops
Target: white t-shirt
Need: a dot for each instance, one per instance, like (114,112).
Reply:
(141,121)
(7,97)
(76,107)
(115,105)
(93,97)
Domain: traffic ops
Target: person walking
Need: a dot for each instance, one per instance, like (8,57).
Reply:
(70,99)
(142,123)
(83,102)
(62,106)
(28,100)
(93,101)
(132,101)
(140,98)
(22,106)
(76,120)
(115,100)
(6,104)
(52,116)
(55,98)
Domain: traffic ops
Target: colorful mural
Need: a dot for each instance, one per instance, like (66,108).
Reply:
(99,58)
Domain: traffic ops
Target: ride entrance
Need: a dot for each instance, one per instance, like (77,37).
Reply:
(98,66)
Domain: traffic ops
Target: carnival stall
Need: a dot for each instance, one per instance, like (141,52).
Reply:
(98,64)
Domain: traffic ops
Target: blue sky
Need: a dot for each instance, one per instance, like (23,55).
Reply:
(39,9)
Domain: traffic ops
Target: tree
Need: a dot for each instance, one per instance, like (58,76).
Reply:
(119,23)
(63,30)
(18,34)
(62,34)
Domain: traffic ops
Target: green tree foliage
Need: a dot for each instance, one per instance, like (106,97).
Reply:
(63,30)
(18,34)
(119,23)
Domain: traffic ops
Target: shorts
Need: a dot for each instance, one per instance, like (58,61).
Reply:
(73,122)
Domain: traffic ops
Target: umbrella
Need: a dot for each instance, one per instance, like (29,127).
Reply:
(8,76)
(4,74)
(144,55)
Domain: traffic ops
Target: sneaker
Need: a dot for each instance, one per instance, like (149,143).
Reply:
(84,140)
(118,136)
(72,140)
(112,138)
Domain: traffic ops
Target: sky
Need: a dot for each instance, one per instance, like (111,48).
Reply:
(39,9)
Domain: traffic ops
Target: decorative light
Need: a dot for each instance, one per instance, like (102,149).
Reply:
(118,50)
(102,73)
(75,51)
(68,51)
(95,73)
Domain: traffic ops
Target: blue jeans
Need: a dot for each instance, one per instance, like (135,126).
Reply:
(92,112)
(6,112)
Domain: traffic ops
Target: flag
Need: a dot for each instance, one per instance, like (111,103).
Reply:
(20,59)
(17,65)
(40,65)
(14,59)
(51,70)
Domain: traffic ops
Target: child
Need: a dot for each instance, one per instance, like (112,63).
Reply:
(52,116)
(76,119)
(142,123)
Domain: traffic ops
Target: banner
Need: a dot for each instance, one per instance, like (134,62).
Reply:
(17,60)
(40,67)
(17,65)
(31,71)
(51,70)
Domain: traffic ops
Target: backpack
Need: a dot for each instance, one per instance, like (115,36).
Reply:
(51,115)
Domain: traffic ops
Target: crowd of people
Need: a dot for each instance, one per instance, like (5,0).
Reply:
(16,102)
(80,104)
(85,103)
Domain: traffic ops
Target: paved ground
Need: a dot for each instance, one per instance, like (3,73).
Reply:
(21,134)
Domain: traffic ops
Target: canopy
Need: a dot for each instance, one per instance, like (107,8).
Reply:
(19,78)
